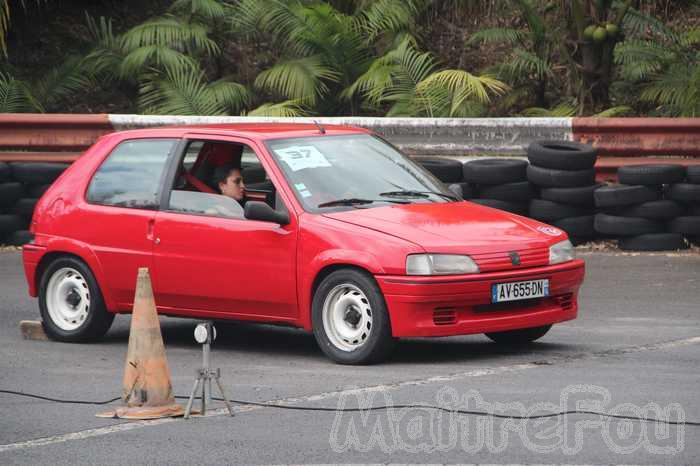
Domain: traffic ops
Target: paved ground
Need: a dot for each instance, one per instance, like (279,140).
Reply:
(635,347)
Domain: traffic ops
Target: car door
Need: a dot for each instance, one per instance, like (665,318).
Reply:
(213,265)
(121,203)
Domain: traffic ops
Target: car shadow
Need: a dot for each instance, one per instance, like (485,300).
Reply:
(470,348)
(255,338)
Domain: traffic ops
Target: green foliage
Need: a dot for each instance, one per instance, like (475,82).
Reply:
(344,57)
(496,36)
(206,9)
(4,24)
(676,89)
(620,111)
(524,64)
(406,79)
(184,91)
(561,110)
(529,63)
(383,17)
(170,31)
(288,108)
(62,82)
(16,97)
(107,54)
(457,93)
(666,69)
(303,79)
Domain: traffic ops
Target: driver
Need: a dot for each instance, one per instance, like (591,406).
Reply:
(229,180)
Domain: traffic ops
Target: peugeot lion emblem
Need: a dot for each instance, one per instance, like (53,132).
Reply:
(514,258)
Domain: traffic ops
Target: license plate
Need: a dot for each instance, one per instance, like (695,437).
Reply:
(514,291)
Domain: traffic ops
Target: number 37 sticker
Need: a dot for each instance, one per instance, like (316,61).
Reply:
(301,157)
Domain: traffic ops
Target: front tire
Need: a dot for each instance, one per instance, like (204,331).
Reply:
(71,304)
(350,318)
(520,336)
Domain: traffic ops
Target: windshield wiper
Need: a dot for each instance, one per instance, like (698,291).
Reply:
(422,194)
(354,200)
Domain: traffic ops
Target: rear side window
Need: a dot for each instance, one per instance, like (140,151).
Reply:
(131,175)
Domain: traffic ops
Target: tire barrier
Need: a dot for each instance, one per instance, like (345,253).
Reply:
(659,212)
(500,183)
(445,170)
(566,175)
(23,183)
(657,207)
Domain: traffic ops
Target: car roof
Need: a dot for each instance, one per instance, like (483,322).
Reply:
(259,131)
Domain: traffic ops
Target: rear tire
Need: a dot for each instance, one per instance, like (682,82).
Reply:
(71,303)
(350,318)
(520,336)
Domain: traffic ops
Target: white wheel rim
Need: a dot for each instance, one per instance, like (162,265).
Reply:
(68,299)
(347,317)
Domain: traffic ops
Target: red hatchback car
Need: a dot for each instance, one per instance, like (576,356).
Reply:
(338,233)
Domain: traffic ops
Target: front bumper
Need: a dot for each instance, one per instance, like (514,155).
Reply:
(461,305)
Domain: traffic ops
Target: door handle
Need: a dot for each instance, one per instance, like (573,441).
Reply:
(157,241)
(149,229)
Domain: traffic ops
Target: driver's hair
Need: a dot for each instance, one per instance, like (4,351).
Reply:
(223,171)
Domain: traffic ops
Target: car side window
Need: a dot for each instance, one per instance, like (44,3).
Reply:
(131,175)
(196,188)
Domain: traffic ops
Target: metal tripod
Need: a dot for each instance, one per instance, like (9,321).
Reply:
(205,334)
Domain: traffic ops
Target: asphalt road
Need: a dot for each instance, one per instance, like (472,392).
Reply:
(634,350)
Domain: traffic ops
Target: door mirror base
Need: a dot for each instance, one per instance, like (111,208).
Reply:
(256,210)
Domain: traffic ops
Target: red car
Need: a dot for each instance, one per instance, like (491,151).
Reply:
(340,234)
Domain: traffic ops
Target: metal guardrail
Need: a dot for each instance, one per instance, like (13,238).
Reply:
(621,141)
(49,137)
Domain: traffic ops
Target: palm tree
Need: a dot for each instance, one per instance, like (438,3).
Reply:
(166,60)
(665,66)
(529,65)
(16,97)
(185,91)
(408,81)
(323,50)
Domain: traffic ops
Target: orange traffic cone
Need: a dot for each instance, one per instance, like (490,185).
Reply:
(147,390)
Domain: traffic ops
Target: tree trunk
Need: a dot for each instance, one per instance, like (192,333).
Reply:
(595,55)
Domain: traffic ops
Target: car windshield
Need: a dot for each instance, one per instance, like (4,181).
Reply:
(353,171)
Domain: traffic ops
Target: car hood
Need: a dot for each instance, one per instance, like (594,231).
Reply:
(454,227)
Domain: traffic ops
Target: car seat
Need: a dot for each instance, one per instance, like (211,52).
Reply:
(212,155)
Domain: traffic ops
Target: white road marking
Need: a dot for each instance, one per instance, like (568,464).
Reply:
(84,434)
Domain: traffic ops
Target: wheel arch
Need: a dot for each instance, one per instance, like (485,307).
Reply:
(86,257)
(324,272)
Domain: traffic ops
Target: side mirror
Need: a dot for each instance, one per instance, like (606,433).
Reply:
(256,210)
(456,189)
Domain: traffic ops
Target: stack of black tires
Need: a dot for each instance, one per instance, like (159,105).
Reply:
(642,210)
(21,186)
(687,193)
(500,183)
(448,171)
(564,171)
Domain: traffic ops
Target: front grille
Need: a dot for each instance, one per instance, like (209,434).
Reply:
(494,261)
(444,316)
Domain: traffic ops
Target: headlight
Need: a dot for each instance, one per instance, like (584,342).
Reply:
(439,264)
(561,252)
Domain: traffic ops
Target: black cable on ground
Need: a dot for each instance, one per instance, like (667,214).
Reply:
(379,408)
(57,400)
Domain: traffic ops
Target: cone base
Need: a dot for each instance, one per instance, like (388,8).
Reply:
(145,412)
